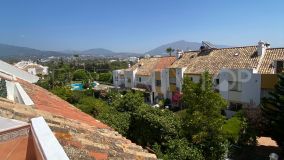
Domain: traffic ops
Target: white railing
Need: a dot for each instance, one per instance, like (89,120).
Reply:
(49,146)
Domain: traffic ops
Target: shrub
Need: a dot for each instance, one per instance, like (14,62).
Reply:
(180,149)
(62,92)
(118,120)
(232,128)
(151,125)
(92,106)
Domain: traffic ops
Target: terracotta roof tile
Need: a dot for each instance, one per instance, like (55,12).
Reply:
(185,60)
(196,62)
(99,156)
(270,56)
(145,66)
(164,62)
(44,100)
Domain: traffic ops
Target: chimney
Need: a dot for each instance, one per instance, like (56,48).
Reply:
(261,48)
(179,53)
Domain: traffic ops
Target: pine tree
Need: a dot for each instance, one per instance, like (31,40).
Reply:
(273,110)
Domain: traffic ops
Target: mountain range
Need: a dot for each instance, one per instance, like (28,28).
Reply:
(10,51)
(182,45)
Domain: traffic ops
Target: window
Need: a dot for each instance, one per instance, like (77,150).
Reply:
(158,82)
(128,80)
(139,79)
(217,81)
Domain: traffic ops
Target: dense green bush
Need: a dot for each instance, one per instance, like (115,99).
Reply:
(120,121)
(62,92)
(80,75)
(93,106)
(105,77)
(152,125)
(232,128)
(129,102)
(180,149)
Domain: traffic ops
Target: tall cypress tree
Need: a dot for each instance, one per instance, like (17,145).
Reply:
(273,110)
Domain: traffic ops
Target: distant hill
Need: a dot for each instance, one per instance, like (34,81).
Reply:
(10,51)
(16,52)
(101,52)
(183,45)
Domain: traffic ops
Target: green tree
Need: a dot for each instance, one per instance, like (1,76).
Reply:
(170,51)
(273,110)
(130,102)
(152,125)
(80,74)
(180,149)
(105,77)
(202,123)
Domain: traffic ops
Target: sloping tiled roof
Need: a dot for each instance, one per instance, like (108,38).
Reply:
(184,60)
(164,62)
(45,100)
(270,56)
(216,59)
(81,136)
(145,66)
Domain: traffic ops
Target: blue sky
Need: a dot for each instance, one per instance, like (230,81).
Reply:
(138,25)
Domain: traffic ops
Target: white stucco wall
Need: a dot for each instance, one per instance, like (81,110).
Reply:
(32,71)
(146,80)
(252,90)
(249,86)
(20,96)
(117,78)
(179,77)
(164,82)
(10,90)
(131,75)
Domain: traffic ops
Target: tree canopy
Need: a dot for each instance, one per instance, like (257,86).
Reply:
(202,123)
(170,51)
(80,74)
(273,110)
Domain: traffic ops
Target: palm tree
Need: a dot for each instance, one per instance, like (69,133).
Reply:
(170,51)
